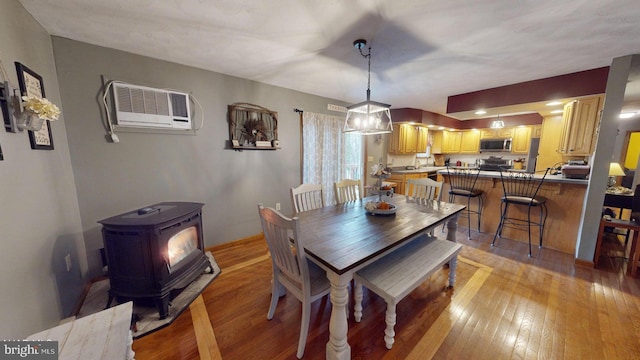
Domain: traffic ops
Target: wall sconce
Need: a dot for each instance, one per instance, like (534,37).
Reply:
(9,101)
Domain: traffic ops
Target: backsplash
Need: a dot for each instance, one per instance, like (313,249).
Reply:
(395,160)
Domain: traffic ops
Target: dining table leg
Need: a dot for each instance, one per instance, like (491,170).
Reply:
(452,226)
(338,347)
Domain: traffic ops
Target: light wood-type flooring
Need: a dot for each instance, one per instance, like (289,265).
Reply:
(504,306)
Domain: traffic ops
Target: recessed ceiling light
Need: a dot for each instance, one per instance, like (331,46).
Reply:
(554,103)
(480,112)
(627,115)
(557,111)
(441,128)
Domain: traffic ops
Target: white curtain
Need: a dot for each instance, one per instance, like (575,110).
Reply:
(329,155)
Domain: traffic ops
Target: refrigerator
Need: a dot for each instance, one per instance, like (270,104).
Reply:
(532,157)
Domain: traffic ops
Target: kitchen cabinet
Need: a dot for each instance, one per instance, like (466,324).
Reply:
(521,140)
(580,121)
(404,139)
(423,139)
(451,141)
(536,131)
(470,142)
(436,142)
(401,179)
(503,133)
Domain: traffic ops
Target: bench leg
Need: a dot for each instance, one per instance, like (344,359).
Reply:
(453,265)
(357,306)
(390,318)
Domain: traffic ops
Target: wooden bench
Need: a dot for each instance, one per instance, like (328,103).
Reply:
(396,275)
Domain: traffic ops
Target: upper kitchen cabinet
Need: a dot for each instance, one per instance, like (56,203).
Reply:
(404,139)
(451,141)
(580,121)
(408,139)
(521,140)
(436,142)
(470,142)
(504,133)
(423,139)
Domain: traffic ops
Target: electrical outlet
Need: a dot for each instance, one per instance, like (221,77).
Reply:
(278,206)
(67,260)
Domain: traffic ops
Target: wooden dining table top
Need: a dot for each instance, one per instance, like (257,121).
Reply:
(344,237)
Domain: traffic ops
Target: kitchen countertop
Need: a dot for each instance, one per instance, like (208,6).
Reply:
(421,170)
(549,178)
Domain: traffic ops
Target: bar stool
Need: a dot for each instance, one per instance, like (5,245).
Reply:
(462,182)
(521,189)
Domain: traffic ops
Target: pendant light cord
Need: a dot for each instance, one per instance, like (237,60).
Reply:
(368,57)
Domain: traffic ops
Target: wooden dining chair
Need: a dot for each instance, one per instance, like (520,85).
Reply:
(423,190)
(307,197)
(291,269)
(347,190)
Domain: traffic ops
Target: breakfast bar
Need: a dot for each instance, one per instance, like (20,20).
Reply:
(565,197)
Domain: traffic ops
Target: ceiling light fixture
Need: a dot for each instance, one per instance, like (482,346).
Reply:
(497,123)
(480,112)
(368,117)
(554,103)
(627,115)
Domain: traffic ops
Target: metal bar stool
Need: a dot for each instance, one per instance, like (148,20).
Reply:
(462,182)
(521,189)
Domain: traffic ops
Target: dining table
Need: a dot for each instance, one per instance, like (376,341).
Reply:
(344,238)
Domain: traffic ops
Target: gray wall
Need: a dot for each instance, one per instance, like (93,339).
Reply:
(40,218)
(146,168)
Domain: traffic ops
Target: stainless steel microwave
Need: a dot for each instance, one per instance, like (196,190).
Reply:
(495,145)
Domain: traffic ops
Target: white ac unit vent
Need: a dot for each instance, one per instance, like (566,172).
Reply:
(141,106)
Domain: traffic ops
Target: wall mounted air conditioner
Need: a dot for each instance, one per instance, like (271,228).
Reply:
(145,107)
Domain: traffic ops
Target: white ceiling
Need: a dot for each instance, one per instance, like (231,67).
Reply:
(422,50)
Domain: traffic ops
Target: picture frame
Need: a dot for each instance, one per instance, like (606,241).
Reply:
(31,84)
(252,127)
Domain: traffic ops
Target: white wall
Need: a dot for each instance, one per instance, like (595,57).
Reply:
(39,216)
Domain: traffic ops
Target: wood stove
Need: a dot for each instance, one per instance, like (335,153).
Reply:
(153,251)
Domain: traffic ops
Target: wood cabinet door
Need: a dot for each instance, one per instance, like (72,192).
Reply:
(583,127)
(521,140)
(580,120)
(504,133)
(394,139)
(488,134)
(451,141)
(410,139)
(470,142)
(423,139)
(436,142)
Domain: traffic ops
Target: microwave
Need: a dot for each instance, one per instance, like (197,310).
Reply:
(495,145)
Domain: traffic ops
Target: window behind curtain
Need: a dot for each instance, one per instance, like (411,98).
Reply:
(329,155)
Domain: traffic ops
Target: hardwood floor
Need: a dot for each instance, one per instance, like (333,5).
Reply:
(504,306)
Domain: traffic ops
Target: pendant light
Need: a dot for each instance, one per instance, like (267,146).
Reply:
(368,117)
(497,123)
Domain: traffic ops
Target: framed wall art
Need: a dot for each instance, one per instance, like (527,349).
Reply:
(253,127)
(31,85)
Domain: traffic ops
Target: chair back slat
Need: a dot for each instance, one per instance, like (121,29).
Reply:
(287,254)
(462,178)
(423,190)
(519,184)
(307,197)
(347,190)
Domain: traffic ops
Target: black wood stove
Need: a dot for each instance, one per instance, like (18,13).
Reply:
(153,251)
